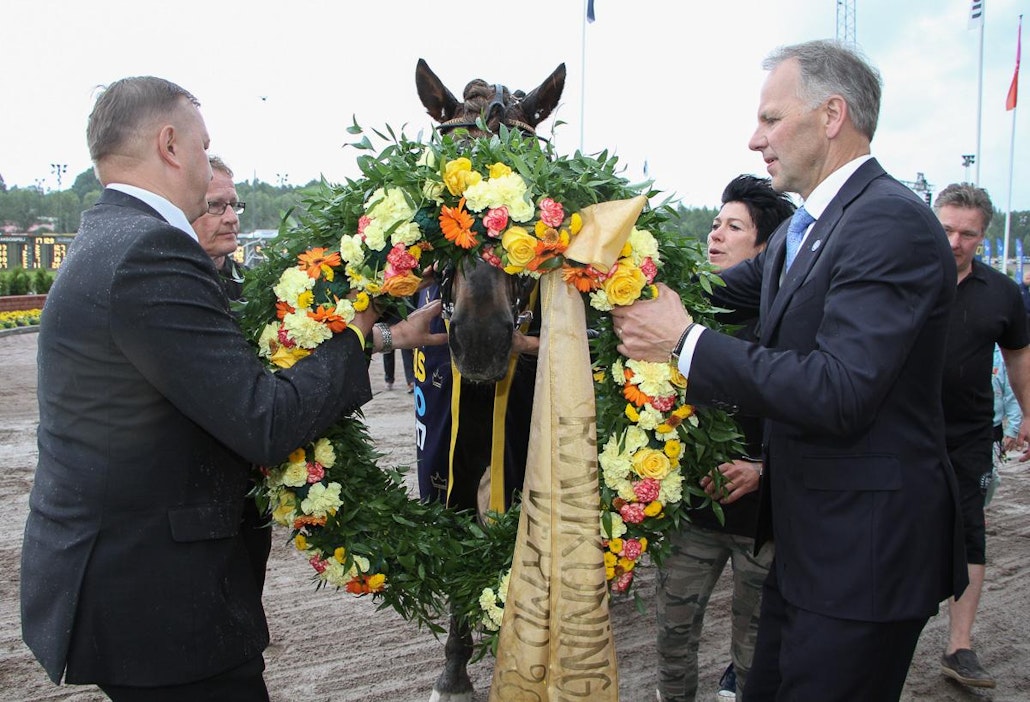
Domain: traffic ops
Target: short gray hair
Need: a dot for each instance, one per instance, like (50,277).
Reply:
(217,164)
(127,105)
(829,68)
(966,196)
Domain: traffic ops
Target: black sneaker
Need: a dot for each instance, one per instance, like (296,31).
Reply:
(964,666)
(728,683)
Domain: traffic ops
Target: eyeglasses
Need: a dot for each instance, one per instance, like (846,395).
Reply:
(219,208)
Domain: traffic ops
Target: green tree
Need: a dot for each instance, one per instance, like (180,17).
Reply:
(85,183)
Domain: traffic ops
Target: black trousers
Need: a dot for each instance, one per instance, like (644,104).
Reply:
(241,684)
(802,656)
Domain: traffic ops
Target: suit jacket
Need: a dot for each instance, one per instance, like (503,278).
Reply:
(152,408)
(860,496)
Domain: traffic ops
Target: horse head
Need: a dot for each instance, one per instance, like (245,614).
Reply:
(484,303)
(493,102)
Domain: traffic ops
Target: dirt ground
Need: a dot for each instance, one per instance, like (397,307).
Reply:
(333,647)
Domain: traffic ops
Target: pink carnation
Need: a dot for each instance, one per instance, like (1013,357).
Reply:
(649,269)
(622,583)
(632,513)
(318,563)
(495,221)
(631,549)
(646,490)
(551,213)
(400,259)
(315,472)
(490,257)
(663,403)
(284,339)
(363,221)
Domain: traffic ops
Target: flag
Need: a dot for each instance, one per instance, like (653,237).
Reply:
(1019,260)
(590,10)
(1010,101)
(976,14)
(987,251)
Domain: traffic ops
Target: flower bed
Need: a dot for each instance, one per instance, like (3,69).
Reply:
(19,318)
(516,204)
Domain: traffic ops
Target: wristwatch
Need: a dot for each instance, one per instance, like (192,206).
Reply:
(674,357)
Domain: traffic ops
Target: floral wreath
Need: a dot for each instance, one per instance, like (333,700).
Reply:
(515,203)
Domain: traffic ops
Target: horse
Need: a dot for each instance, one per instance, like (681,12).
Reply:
(485,308)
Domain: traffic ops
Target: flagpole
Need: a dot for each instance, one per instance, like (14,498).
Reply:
(979,103)
(1013,101)
(583,72)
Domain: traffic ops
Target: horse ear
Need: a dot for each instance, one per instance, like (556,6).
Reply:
(439,102)
(541,102)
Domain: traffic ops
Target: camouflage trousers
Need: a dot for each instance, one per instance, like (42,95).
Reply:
(684,584)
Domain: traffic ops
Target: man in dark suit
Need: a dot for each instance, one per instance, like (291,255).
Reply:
(861,499)
(152,407)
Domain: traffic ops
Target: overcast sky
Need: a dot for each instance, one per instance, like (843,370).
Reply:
(671,83)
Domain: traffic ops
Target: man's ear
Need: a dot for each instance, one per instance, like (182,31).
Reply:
(836,109)
(167,145)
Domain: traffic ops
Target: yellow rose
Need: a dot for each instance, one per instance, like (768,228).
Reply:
(499,170)
(376,582)
(415,252)
(402,285)
(520,246)
(653,509)
(300,542)
(361,302)
(626,564)
(672,448)
(283,513)
(677,378)
(631,413)
(624,286)
(643,543)
(285,358)
(458,175)
(340,554)
(627,249)
(649,463)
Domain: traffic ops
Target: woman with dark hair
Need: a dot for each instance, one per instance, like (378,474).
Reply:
(751,211)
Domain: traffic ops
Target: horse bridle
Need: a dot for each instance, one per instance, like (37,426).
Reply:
(520,289)
(496,103)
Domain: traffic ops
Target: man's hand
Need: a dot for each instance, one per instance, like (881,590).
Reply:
(739,478)
(649,330)
(1023,438)
(414,331)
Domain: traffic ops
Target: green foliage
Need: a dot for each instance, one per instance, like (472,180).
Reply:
(18,282)
(42,279)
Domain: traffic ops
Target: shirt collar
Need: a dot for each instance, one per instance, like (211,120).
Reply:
(820,198)
(172,214)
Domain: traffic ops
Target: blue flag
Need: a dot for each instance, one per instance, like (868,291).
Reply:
(590,10)
(987,251)
(1019,260)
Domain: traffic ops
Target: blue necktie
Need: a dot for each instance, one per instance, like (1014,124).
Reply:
(799,222)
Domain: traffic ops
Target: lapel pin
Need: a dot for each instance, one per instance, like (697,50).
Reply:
(816,243)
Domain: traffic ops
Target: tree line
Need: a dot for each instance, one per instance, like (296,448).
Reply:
(59,210)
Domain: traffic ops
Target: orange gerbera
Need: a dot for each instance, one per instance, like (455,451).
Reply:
(316,262)
(282,309)
(308,520)
(327,315)
(456,225)
(632,392)
(580,278)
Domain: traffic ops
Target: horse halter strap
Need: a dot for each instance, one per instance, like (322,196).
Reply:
(497,101)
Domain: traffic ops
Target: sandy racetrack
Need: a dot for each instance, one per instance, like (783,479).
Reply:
(332,647)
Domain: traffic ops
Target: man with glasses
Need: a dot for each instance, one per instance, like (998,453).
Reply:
(218,228)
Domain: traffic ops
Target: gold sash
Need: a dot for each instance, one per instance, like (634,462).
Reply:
(556,640)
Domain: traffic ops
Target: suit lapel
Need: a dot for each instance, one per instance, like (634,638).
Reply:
(812,248)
